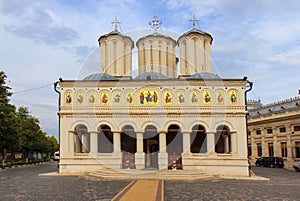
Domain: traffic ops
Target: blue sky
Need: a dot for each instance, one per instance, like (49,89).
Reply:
(41,41)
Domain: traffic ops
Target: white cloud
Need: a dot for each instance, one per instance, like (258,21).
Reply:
(45,40)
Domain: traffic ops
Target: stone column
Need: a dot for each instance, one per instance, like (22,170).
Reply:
(276,147)
(85,142)
(186,143)
(78,144)
(162,155)
(139,155)
(264,147)
(290,150)
(71,143)
(254,150)
(94,142)
(234,143)
(211,142)
(117,142)
(117,154)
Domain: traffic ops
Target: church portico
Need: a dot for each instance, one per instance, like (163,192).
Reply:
(160,120)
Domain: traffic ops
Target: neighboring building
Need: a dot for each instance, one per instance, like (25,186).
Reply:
(274,130)
(159,119)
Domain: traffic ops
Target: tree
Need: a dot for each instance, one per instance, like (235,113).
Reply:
(8,119)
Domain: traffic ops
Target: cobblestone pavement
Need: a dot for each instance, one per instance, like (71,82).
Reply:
(25,184)
(283,185)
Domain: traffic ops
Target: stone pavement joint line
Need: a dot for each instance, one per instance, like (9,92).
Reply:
(146,190)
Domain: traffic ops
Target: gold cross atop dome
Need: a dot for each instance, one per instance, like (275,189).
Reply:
(116,23)
(194,20)
(155,24)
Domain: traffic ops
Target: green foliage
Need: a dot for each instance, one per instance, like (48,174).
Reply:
(19,130)
(8,119)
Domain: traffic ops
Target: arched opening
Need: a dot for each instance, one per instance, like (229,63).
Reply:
(223,140)
(151,147)
(198,139)
(128,147)
(105,140)
(174,147)
(82,139)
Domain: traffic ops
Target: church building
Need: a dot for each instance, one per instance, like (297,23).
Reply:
(175,114)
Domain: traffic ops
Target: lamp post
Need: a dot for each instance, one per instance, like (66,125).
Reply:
(59,99)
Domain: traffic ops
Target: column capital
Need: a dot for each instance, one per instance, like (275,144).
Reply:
(186,132)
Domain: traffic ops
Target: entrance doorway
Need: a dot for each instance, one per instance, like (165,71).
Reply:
(128,147)
(174,147)
(151,147)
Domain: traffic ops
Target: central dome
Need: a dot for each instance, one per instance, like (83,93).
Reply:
(151,76)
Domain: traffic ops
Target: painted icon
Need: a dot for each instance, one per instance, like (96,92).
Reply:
(80,98)
(167,98)
(233,97)
(206,98)
(68,97)
(180,98)
(117,98)
(129,98)
(92,98)
(104,98)
(194,97)
(220,97)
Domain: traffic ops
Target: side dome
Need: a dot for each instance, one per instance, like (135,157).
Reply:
(151,76)
(204,76)
(99,76)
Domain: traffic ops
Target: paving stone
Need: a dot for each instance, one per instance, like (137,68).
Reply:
(23,183)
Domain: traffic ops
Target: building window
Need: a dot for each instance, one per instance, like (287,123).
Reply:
(283,149)
(271,149)
(223,140)
(249,150)
(82,139)
(296,128)
(258,132)
(259,149)
(297,149)
(249,132)
(282,130)
(105,140)
(198,140)
(269,131)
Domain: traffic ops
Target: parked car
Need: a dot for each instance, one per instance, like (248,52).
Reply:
(56,156)
(296,166)
(270,162)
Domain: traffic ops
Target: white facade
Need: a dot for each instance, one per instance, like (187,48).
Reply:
(156,120)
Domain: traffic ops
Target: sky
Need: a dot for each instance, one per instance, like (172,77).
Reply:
(41,41)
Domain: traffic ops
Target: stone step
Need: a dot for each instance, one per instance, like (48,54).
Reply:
(140,174)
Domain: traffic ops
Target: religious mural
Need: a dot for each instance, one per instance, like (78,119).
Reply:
(232,97)
(206,98)
(194,97)
(92,98)
(151,97)
(69,98)
(168,97)
(148,97)
(80,98)
(117,98)
(130,98)
(104,98)
(220,97)
(180,98)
